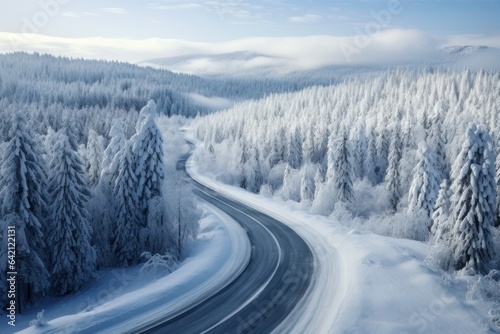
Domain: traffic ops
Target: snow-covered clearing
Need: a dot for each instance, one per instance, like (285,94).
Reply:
(121,299)
(367,283)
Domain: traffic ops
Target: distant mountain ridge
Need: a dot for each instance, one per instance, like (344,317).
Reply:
(254,63)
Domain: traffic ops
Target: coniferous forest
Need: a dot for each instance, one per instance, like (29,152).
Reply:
(411,153)
(88,153)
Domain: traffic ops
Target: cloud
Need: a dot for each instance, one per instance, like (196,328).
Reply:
(285,53)
(114,10)
(214,103)
(308,18)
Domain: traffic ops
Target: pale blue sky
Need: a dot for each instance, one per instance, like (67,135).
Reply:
(221,20)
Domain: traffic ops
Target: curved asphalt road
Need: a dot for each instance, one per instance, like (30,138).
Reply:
(259,299)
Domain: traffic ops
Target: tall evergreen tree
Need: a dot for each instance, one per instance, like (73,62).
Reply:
(23,205)
(498,177)
(440,217)
(360,152)
(72,257)
(437,138)
(149,170)
(295,157)
(93,157)
(308,147)
(382,155)
(473,201)
(307,185)
(393,176)
(126,244)
(343,174)
(371,159)
(425,185)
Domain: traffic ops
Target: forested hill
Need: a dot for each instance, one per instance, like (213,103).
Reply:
(78,83)
(375,147)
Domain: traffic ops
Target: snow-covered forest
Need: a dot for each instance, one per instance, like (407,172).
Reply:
(84,180)
(90,181)
(407,153)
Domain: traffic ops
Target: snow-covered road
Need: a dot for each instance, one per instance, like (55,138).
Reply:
(263,295)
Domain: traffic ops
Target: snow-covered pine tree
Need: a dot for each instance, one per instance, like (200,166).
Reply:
(49,143)
(72,257)
(498,176)
(440,217)
(148,109)
(295,149)
(425,184)
(307,185)
(126,244)
(437,138)
(360,152)
(393,176)
(93,157)
(472,203)
(253,175)
(330,158)
(371,159)
(382,155)
(23,205)
(118,141)
(308,146)
(242,161)
(343,174)
(287,190)
(149,170)
(111,157)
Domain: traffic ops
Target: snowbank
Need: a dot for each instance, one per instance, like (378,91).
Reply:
(220,254)
(364,283)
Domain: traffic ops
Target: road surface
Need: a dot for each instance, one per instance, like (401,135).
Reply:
(260,298)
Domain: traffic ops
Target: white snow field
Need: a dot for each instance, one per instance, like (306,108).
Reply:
(366,283)
(122,300)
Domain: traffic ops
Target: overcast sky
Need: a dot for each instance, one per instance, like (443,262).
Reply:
(134,30)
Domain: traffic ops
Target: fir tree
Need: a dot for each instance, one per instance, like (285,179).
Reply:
(360,152)
(425,185)
(371,159)
(343,175)
(23,205)
(307,186)
(126,206)
(295,151)
(473,201)
(393,176)
(93,157)
(149,170)
(382,156)
(440,217)
(498,177)
(72,257)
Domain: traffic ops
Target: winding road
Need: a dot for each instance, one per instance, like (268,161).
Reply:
(260,298)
